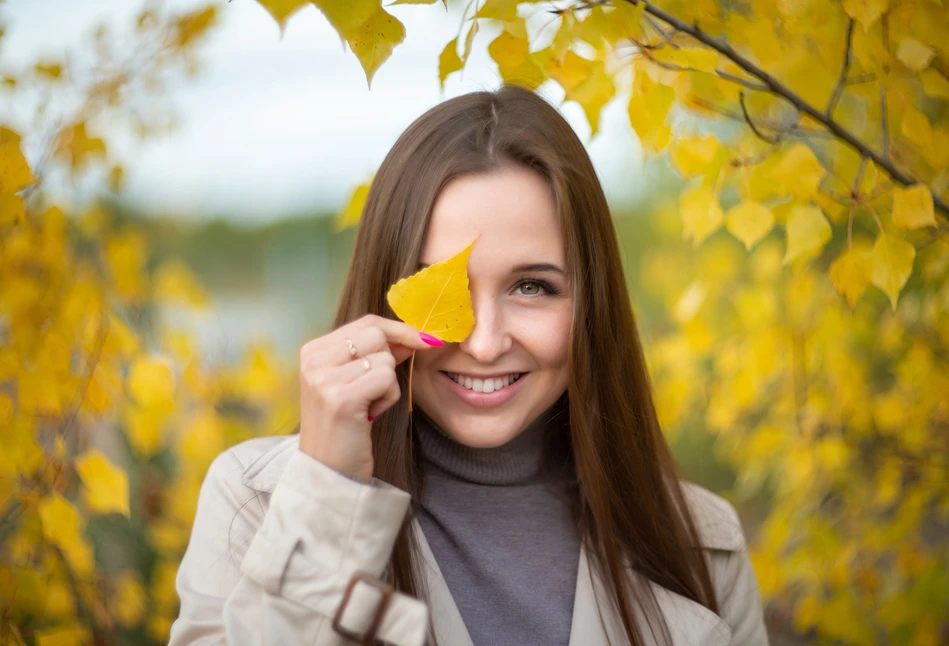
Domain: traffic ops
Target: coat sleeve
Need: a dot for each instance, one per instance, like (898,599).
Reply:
(740,600)
(252,576)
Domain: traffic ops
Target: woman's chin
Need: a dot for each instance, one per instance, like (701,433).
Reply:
(480,433)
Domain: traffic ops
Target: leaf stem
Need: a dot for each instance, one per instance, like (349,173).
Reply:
(411,366)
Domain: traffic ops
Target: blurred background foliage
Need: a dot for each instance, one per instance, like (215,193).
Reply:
(793,372)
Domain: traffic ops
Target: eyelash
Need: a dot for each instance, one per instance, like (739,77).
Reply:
(547,287)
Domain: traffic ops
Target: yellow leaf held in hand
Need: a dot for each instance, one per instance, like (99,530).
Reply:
(107,487)
(436,300)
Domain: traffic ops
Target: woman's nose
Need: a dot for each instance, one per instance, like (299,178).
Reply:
(489,339)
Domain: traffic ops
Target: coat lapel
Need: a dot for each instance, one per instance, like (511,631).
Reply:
(690,623)
(446,619)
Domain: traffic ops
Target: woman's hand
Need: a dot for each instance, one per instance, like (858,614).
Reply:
(340,394)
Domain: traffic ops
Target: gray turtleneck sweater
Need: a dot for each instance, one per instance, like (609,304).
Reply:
(499,523)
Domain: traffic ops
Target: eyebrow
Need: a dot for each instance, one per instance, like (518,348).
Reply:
(535,266)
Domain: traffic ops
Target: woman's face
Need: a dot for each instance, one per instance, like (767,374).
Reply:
(522,305)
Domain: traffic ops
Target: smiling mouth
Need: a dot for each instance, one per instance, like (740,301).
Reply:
(489,385)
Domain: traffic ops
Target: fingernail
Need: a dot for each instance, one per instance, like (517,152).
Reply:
(429,339)
(371,418)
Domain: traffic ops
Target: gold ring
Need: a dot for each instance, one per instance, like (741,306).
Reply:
(352,348)
(365,362)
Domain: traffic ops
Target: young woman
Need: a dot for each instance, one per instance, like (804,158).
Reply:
(530,496)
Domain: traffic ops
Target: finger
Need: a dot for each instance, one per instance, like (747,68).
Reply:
(365,341)
(393,395)
(372,385)
(351,370)
(400,334)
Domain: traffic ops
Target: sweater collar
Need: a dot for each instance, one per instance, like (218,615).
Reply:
(523,460)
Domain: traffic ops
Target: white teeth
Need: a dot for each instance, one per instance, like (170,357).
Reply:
(485,385)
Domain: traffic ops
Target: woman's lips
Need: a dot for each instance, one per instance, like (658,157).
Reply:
(484,400)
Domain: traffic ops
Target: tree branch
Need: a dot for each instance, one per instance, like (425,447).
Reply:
(780,89)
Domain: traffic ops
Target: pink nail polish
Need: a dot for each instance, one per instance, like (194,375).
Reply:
(371,418)
(429,339)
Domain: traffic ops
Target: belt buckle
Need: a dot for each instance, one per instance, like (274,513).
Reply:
(384,589)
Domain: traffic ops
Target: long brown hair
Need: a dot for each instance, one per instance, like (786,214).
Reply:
(630,505)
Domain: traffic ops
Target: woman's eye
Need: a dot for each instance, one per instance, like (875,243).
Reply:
(533,288)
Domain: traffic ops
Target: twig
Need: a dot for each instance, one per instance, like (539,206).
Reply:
(841,81)
(883,124)
(788,130)
(751,124)
(856,180)
(91,363)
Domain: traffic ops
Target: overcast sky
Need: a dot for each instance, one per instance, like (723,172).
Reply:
(273,126)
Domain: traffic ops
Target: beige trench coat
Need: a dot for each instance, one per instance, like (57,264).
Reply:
(278,536)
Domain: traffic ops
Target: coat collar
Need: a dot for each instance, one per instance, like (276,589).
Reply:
(690,623)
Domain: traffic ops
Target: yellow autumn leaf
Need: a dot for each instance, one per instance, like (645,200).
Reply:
(700,59)
(865,12)
(914,54)
(850,273)
(436,299)
(799,172)
(370,31)
(449,61)
(570,70)
(62,525)
(125,257)
(21,455)
(807,232)
(749,221)
(891,262)
(935,84)
(692,155)
(69,635)
(151,382)
(917,128)
(469,39)
(106,486)
(176,283)
(78,147)
(510,51)
(374,40)
(281,10)
(701,214)
(648,109)
(130,600)
(913,207)
(14,170)
(145,428)
(505,10)
(352,213)
(12,209)
(594,93)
